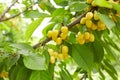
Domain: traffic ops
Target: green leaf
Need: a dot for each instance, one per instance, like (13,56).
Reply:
(111,42)
(40,75)
(65,75)
(16,72)
(116,6)
(58,12)
(114,77)
(23,74)
(78,6)
(98,51)
(47,57)
(83,56)
(110,67)
(22,48)
(32,26)
(103,3)
(1,79)
(106,20)
(35,14)
(72,38)
(4,26)
(102,75)
(12,60)
(110,53)
(51,69)
(61,2)
(35,62)
(47,28)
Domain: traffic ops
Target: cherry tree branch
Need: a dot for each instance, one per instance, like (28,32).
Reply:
(5,19)
(7,9)
(69,26)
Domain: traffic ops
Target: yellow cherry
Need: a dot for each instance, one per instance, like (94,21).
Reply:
(94,27)
(65,49)
(63,36)
(89,23)
(83,20)
(51,52)
(49,34)
(64,29)
(103,27)
(60,56)
(52,59)
(65,56)
(58,41)
(55,54)
(89,15)
(55,34)
(81,41)
(86,35)
(93,3)
(80,36)
(96,17)
(92,38)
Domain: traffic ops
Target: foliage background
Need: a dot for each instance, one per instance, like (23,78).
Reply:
(22,53)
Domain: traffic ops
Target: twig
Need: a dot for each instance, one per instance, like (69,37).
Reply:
(41,43)
(17,14)
(76,21)
(7,9)
(69,26)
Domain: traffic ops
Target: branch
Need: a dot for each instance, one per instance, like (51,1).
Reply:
(5,19)
(7,9)
(69,26)
(41,43)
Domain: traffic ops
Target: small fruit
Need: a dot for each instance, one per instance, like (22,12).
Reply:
(65,56)
(63,36)
(101,26)
(93,3)
(96,17)
(92,38)
(60,56)
(64,49)
(80,36)
(83,20)
(52,59)
(86,35)
(89,15)
(81,41)
(89,23)
(49,34)
(51,52)
(64,29)
(58,40)
(94,27)
(55,54)
(55,34)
